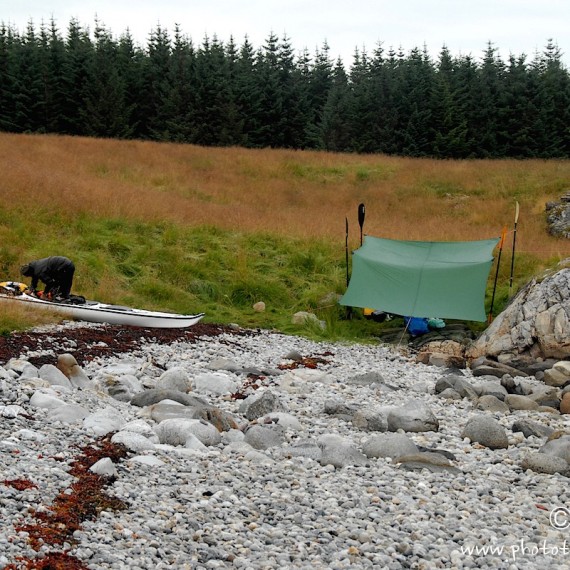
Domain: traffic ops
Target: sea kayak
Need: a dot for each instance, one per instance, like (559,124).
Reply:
(95,312)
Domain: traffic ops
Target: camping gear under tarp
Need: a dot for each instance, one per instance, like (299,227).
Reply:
(421,279)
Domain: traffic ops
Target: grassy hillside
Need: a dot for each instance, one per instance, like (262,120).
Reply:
(190,229)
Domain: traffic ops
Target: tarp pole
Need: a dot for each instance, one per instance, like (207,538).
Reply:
(346,250)
(514,242)
(404,332)
(361,215)
(503,235)
(348,309)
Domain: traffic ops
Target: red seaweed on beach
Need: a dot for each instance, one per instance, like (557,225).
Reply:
(19,484)
(106,340)
(51,561)
(253,382)
(307,362)
(86,500)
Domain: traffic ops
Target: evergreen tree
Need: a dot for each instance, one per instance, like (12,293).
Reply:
(388,117)
(367,104)
(28,88)
(130,63)
(8,91)
(154,106)
(52,61)
(489,112)
(383,108)
(318,88)
(415,76)
(76,69)
(448,123)
(270,109)
(467,101)
(521,112)
(180,102)
(553,103)
(335,127)
(246,94)
(293,89)
(104,113)
(236,121)
(215,113)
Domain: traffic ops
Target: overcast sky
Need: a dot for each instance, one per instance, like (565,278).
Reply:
(464,26)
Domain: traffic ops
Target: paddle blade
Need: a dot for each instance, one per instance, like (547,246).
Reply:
(361,215)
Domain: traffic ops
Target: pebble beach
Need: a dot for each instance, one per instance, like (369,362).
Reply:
(309,490)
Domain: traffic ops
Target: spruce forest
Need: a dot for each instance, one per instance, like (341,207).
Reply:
(224,94)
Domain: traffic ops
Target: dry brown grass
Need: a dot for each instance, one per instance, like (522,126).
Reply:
(304,194)
(17,316)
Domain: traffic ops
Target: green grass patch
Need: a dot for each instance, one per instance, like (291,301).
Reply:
(372,174)
(322,174)
(443,189)
(206,269)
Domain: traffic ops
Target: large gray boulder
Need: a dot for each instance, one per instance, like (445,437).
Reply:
(535,323)
(133,441)
(560,447)
(177,431)
(265,436)
(487,431)
(544,463)
(104,421)
(68,414)
(340,454)
(391,445)
(414,416)
(304,448)
(260,404)
(371,418)
(54,376)
(176,378)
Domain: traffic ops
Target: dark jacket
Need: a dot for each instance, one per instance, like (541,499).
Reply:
(53,271)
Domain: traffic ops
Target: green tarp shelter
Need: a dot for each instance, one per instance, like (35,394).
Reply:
(421,279)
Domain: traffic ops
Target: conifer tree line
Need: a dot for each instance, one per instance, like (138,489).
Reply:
(224,94)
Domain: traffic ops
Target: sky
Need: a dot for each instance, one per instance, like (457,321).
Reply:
(465,27)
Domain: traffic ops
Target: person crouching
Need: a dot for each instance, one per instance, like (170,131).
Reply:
(56,272)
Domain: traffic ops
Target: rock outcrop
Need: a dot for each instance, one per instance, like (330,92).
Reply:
(558,217)
(535,324)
